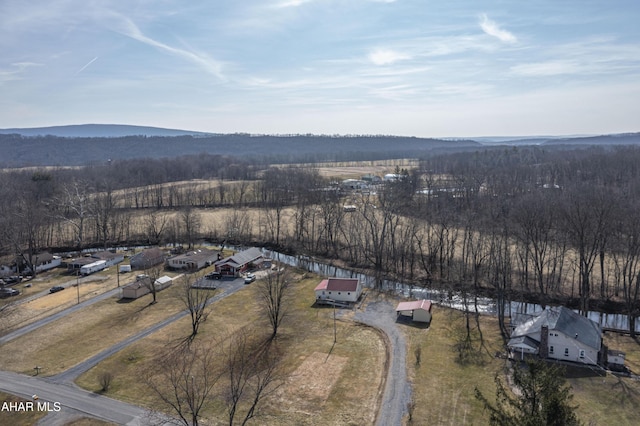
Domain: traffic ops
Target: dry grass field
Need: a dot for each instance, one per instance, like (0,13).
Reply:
(320,385)
(443,388)
(79,335)
(18,418)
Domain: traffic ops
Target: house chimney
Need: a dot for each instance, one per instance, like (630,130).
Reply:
(543,349)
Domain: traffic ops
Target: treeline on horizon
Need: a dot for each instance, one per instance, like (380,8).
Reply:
(546,224)
(25,151)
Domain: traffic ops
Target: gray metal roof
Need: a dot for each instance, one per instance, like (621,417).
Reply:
(563,320)
(524,341)
(243,257)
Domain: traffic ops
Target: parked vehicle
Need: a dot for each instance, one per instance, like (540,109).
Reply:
(213,276)
(249,278)
(8,292)
(13,279)
(56,289)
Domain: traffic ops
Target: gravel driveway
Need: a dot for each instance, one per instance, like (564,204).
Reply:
(397,393)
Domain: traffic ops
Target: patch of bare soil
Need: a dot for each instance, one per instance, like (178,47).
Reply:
(308,388)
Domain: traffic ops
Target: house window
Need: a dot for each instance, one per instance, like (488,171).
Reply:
(551,349)
(566,351)
(329,292)
(582,353)
(339,293)
(349,293)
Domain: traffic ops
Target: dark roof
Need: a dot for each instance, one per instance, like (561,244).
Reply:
(524,341)
(338,284)
(105,255)
(566,321)
(242,258)
(41,258)
(195,256)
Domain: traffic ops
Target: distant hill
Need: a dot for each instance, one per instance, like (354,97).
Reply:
(98,130)
(98,143)
(608,140)
(20,151)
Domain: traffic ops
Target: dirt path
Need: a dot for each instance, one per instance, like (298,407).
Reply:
(397,393)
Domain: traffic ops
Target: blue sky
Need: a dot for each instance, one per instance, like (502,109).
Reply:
(406,67)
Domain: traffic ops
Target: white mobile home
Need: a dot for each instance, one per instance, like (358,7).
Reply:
(93,267)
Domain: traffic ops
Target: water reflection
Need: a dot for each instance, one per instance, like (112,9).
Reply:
(449,299)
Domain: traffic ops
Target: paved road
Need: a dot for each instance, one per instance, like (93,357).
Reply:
(34,325)
(60,388)
(397,393)
(71,397)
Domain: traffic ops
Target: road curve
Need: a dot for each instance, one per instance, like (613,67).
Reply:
(71,397)
(397,392)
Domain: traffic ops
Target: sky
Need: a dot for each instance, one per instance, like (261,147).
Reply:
(446,68)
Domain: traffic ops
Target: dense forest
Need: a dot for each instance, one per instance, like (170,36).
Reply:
(546,225)
(49,150)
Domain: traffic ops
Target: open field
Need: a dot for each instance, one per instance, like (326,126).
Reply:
(340,388)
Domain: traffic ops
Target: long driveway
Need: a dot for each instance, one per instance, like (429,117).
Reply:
(397,393)
(60,388)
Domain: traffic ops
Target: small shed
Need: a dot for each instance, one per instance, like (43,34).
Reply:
(419,310)
(135,290)
(615,360)
(163,282)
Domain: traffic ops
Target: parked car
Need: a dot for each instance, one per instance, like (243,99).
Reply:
(13,279)
(213,276)
(56,289)
(249,278)
(8,292)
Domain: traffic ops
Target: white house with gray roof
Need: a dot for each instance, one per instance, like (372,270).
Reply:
(561,334)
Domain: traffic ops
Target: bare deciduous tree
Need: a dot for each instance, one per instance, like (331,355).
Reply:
(196,301)
(184,380)
(274,291)
(251,368)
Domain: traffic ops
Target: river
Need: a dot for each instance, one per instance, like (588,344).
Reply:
(453,300)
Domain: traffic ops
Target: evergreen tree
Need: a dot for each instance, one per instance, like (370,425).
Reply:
(541,397)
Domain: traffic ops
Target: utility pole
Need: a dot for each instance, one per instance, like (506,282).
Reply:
(335,333)
(78,284)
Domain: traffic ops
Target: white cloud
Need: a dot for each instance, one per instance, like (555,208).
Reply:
(491,28)
(86,65)
(291,3)
(386,56)
(127,27)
